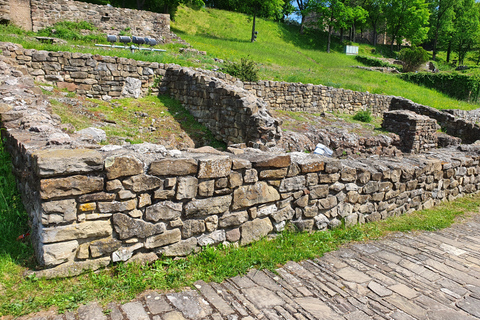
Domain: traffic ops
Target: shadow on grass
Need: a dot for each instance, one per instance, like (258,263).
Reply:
(13,217)
(210,36)
(200,134)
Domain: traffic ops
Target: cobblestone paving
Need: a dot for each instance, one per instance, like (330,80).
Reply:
(432,275)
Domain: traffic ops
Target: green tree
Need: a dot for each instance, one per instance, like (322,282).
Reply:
(336,15)
(441,20)
(304,7)
(260,8)
(376,16)
(466,28)
(406,19)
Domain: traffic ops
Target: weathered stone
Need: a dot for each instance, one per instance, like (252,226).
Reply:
(292,184)
(273,161)
(273,174)
(163,194)
(187,188)
(327,203)
(305,225)
(123,254)
(209,206)
(213,238)
(122,166)
(235,179)
(319,192)
(90,312)
(179,249)
(310,211)
(126,194)
(156,303)
(55,162)
(251,176)
(255,230)
(165,210)
(173,167)
(238,164)
(233,235)
(74,268)
(59,211)
(83,251)
(221,183)
(321,222)
(314,165)
(192,227)
(117,206)
(168,237)
(283,214)
(370,187)
(144,200)
(104,247)
(211,223)
(99,196)
(114,186)
(84,230)
(70,186)
(214,167)
(317,308)
(247,196)
(127,227)
(190,304)
(206,188)
(233,219)
(141,183)
(57,253)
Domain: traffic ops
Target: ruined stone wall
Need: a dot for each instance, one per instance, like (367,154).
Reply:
(231,113)
(317,98)
(5,11)
(91,205)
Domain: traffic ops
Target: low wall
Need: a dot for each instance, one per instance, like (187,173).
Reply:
(92,206)
(231,113)
(40,14)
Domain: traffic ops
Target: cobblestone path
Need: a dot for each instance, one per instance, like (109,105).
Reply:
(431,275)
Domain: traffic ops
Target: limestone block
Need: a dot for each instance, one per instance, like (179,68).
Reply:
(251,176)
(311,165)
(213,238)
(239,164)
(127,227)
(173,167)
(206,188)
(104,247)
(214,167)
(117,206)
(87,207)
(57,253)
(273,161)
(318,192)
(255,230)
(187,188)
(123,254)
(83,230)
(283,214)
(250,195)
(70,186)
(73,268)
(273,174)
(209,206)
(141,183)
(211,223)
(181,248)
(59,211)
(235,179)
(292,184)
(233,219)
(55,162)
(122,166)
(168,237)
(233,235)
(265,210)
(165,210)
(192,227)
(321,222)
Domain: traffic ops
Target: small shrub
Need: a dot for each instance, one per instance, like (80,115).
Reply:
(245,70)
(413,57)
(373,62)
(363,116)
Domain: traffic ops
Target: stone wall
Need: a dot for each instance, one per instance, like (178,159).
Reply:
(231,113)
(91,205)
(417,133)
(107,19)
(4,11)
(317,98)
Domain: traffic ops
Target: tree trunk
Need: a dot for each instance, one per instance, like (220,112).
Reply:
(434,55)
(391,45)
(302,24)
(341,34)
(329,38)
(449,50)
(375,36)
(253,27)
(354,33)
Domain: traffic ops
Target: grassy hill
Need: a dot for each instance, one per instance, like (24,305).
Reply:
(285,55)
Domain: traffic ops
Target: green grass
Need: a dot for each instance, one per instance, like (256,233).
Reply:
(22,295)
(284,55)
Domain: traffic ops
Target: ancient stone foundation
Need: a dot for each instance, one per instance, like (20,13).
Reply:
(91,205)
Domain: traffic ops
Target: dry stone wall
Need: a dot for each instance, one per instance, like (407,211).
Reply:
(233,114)
(91,205)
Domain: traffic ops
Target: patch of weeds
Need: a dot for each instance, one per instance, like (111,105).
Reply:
(245,70)
(69,30)
(363,116)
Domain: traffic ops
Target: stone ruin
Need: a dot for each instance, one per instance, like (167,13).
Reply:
(91,205)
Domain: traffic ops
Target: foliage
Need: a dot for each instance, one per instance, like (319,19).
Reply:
(363,116)
(245,70)
(456,85)
(413,57)
(441,20)
(376,16)
(406,19)
(466,28)
(372,62)
(69,30)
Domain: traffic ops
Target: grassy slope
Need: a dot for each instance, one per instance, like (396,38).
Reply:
(285,55)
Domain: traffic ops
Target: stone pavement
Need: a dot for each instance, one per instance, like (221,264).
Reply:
(432,275)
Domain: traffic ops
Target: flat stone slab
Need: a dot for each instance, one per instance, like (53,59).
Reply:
(191,304)
(470,305)
(318,309)
(263,298)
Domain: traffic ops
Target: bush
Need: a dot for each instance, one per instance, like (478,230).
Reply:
(455,85)
(363,116)
(413,57)
(372,62)
(245,70)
